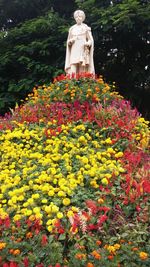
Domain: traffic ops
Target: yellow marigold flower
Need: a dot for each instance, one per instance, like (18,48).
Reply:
(36,210)
(117,246)
(108,175)
(66,201)
(39,215)
(111,249)
(54,209)
(110,150)
(44,200)
(59,215)
(108,141)
(35,196)
(48,209)
(28,212)
(51,193)
(119,155)
(120,169)
(82,139)
(75,209)
(70,213)
(2,245)
(17,217)
(50,228)
(143,255)
(32,218)
(61,194)
(49,222)
(104,181)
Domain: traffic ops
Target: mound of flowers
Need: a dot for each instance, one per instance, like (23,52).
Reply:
(74,175)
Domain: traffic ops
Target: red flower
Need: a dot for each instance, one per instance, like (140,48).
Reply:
(13,264)
(105,209)
(44,240)
(91,204)
(102,219)
(92,226)
(7,222)
(26,262)
(138,208)
(61,230)
(57,265)
(146,186)
(18,224)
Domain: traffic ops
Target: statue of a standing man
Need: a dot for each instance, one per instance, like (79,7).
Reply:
(80,47)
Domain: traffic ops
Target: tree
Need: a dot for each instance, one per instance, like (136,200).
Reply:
(121,31)
(30,54)
(14,12)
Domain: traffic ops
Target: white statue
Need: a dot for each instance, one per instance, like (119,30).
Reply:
(80,47)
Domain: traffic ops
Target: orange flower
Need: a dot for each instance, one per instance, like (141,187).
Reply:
(135,249)
(110,257)
(97,89)
(80,256)
(11,251)
(100,200)
(89,264)
(16,252)
(96,255)
(98,242)
(143,255)
(29,235)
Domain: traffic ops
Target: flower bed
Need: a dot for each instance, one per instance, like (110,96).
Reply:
(74,176)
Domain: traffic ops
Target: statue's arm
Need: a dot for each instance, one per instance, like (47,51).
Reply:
(70,39)
(90,40)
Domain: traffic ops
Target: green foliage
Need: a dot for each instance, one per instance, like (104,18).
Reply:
(121,34)
(30,54)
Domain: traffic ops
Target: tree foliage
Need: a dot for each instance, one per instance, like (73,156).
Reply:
(121,29)
(33,36)
(30,54)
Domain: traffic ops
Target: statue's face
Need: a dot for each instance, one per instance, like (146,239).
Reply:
(79,18)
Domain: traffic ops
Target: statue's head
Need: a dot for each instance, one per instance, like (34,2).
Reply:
(79,16)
